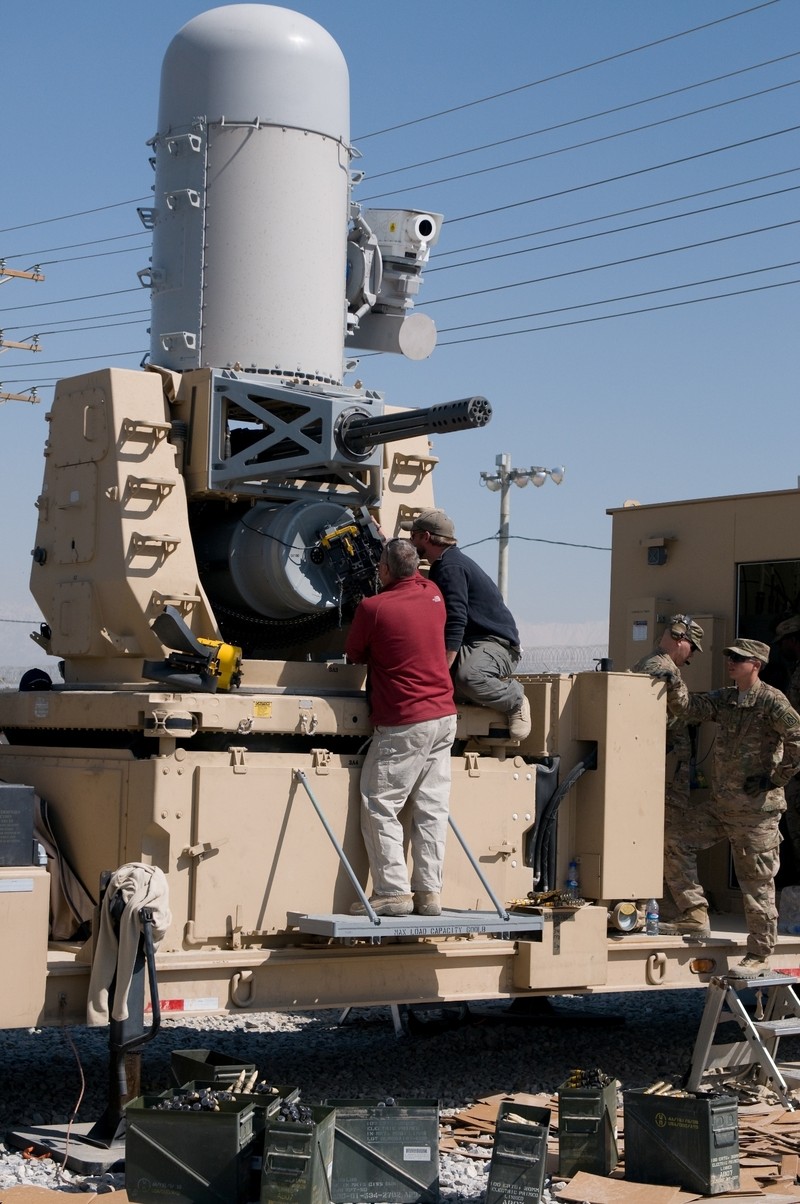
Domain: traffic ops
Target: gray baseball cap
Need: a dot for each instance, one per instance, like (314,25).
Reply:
(435,522)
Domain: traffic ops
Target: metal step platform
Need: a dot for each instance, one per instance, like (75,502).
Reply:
(68,1146)
(449,923)
(373,927)
(761,1032)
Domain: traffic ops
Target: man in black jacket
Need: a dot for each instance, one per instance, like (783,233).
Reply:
(481,637)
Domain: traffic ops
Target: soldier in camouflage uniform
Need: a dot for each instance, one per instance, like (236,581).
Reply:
(678,642)
(787,636)
(756,752)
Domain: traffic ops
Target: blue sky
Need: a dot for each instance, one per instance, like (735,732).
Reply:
(631,161)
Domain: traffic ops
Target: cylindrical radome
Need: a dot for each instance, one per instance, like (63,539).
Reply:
(251,196)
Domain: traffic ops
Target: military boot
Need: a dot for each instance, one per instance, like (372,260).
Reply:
(693,922)
(751,966)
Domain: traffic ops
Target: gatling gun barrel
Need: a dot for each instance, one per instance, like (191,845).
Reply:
(357,433)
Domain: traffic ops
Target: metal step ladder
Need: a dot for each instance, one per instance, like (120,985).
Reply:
(761,1034)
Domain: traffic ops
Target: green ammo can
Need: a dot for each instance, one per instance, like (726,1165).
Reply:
(265,1103)
(298,1159)
(386,1151)
(587,1129)
(187,1157)
(206,1064)
(690,1140)
(519,1157)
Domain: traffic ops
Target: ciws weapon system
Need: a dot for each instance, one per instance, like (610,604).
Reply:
(206,527)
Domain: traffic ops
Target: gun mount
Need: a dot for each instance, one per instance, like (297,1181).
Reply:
(249,438)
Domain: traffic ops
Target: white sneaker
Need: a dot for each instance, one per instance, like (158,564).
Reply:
(519,720)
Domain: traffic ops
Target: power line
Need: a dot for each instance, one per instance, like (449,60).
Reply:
(71,300)
(625,314)
(615,263)
(483,213)
(468,263)
(96,255)
(627,175)
(40,384)
(687,196)
(540,313)
(458,250)
(562,150)
(564,74)
(94,242)
(76,359)
(653,221)
(41,334)
(560,543)
(670,288)
(124,313)
(498,167)
(48,381)
(44,221)
(561,125)
(457,108)
(538,280)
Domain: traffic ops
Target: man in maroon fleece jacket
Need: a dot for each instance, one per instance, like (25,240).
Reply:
(399,635)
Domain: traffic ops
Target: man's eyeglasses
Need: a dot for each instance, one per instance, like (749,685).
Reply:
(737,660)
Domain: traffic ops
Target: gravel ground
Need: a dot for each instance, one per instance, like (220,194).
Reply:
(636,1038)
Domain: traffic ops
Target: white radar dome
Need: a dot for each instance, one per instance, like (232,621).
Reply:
(248,60)
(252,196)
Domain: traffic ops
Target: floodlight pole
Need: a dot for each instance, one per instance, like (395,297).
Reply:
(504,472)
(501,481)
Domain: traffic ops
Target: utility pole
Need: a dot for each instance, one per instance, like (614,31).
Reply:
(32,341)
(32,396)
(11,273)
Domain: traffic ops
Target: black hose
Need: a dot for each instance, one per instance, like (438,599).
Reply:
(544,840)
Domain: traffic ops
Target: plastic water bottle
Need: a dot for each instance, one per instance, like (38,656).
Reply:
(651,917)
(573,885)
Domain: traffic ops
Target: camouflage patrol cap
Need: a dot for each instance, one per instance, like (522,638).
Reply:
(788,627)
(680,625)
(750,649)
